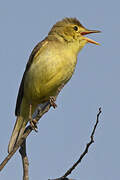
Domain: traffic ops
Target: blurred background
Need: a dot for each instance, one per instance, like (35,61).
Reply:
(64,132)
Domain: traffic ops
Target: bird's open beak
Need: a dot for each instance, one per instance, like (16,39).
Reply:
(90,32)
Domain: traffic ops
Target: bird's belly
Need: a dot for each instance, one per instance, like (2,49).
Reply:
(44,78)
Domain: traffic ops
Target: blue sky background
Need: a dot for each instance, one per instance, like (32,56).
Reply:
(64,132)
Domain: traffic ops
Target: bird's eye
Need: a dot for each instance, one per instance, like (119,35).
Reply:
(75,28)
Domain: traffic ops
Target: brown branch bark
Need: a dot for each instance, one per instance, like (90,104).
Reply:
(24,160)
(22,144)
(69,171)
(28,130)
(40,112)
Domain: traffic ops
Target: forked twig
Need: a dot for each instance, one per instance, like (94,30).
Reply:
(22,143)
(28,130)
(40,112)
(64,177)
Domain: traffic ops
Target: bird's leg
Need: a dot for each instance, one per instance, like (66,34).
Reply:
(33,122)
(30,112)
(52,100)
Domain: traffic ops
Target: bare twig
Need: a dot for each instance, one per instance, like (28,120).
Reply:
(24,160)
(64,177)
(22,142)
(40,112)
(28,130)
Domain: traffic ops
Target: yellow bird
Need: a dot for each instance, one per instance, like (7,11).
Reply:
(51,64)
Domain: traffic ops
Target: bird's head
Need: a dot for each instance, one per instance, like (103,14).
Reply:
(70,30)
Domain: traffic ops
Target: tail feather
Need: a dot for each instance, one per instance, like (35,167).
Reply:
(17,132)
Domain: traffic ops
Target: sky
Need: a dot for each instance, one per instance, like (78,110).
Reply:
(64,131)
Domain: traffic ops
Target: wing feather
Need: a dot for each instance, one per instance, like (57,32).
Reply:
(21,89)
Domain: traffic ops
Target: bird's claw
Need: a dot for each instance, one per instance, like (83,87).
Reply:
(52,102)
(33,122)
(33,125)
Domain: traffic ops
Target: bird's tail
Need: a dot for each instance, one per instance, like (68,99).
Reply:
(17,132)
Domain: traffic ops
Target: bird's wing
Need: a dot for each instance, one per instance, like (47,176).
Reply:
(21,89)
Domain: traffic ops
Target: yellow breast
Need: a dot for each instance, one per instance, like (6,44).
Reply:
(51,68)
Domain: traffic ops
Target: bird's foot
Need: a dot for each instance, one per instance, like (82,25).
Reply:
(33,122)
(52,100)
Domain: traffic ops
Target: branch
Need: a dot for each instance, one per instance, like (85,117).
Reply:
(40,111)
(22,142)
(28,130)
(24,160)
(64,177)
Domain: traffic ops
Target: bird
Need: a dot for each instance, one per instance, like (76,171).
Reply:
(51,64)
